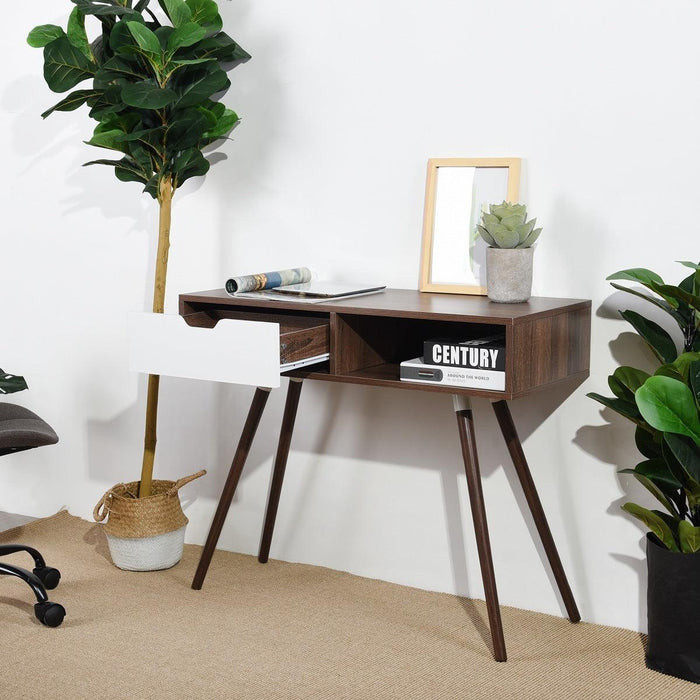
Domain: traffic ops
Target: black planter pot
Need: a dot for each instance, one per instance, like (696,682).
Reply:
(673,611)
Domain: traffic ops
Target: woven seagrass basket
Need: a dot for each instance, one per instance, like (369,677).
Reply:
(144,534)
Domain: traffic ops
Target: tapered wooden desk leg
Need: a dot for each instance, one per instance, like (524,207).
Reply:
(249,430)
(290,414)
(505,421)
(465,421)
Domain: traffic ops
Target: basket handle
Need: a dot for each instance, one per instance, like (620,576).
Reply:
(185,480)
(100,511)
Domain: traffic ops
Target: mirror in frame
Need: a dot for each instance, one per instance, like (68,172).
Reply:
(453,254)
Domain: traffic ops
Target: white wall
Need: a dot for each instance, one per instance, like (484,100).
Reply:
(342,105)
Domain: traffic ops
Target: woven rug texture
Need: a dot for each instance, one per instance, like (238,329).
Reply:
(284,631)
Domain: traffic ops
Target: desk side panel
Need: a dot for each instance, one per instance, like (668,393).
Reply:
(550,349)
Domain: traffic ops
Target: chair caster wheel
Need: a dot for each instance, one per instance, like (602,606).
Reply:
(48,576)
(49,614)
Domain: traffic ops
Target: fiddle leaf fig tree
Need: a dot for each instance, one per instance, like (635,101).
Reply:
(664,406)
(153,77)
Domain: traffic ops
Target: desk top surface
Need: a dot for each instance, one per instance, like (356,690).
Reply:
(408,303)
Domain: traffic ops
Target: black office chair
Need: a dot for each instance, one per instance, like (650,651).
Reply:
(20,429)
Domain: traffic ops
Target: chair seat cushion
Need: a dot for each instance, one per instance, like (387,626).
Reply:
(20,429)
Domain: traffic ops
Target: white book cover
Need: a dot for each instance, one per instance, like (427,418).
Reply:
(418,372)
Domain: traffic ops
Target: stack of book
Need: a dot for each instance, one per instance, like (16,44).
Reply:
(474,364)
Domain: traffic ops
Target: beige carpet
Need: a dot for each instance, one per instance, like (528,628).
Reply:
(287,631)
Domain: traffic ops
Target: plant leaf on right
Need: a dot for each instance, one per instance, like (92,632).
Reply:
(665,407)
(10,383)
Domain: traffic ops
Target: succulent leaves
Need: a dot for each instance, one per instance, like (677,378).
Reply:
(155,87)
(505,225)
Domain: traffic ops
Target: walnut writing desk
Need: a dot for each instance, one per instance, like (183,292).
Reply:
(547,344)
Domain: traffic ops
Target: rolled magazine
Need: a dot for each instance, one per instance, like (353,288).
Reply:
(267,280)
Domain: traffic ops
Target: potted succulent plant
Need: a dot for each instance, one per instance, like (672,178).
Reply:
(665,408)
(509,256)
(155,74)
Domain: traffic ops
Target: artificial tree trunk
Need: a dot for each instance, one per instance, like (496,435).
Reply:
(165,197)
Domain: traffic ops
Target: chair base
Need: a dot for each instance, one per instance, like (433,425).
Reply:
(41,579)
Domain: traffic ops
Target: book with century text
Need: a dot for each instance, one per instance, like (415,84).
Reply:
(479,353)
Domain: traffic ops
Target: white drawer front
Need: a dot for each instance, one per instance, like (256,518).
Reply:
(238,352)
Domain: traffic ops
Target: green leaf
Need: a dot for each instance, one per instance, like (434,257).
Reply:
(657,338)
(177,63)
(689,537)
(624,381)
(648,443)
(661,303)
(669,371)
(129,174)
(76,33)
(655,523)
(186,130)
(203,11)
(686,453)
(694,266)
(206,14)
(628,409)
(653,489)
(107,103)
(146,94)
(196,84)
(527,243)
(152,186)
(119,69)
(658,471)
(637,274)
(690,486)
(694,380)
(102,161)
(222,47)
(668,405)
(223,126)
(10,383)
(631,377)
(189,163)
(685,363)
(678,294)
(73,101)
(121,40)
(177,10)
(486,236)
(512,222)
(149,139)
(107,139)
(103,8)
(44,34)
(125,169)
(65,66)
(691,285)
(185,35)
(144,37)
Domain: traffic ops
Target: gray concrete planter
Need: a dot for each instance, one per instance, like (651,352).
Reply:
(509,274)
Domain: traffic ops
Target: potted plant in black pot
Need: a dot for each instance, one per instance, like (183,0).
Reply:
(665,408)
(156,73)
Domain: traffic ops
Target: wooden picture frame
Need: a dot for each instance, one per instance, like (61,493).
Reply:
(452,252)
